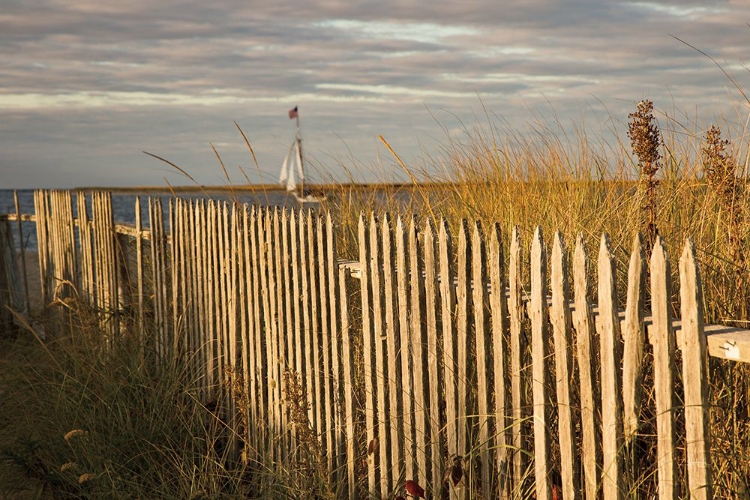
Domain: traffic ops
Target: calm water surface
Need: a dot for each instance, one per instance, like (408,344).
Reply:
(123,206)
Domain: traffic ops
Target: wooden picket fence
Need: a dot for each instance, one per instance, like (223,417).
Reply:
(436,357)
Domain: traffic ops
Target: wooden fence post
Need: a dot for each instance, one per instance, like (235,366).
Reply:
(663,342)
(561,320)
(483,357)
(539,350)
(695,377)
(499,311)
(434,356)
(381,367)
(348,377)
(633,336)
(335,318)
(584,324)
(448,301)
(395,340)
(418,345)
(465,407)
(612,441)
(517,348)
(368,348)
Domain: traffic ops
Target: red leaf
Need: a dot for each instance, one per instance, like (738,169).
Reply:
(414,489)
(372,446)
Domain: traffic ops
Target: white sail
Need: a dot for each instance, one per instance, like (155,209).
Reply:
(287,171)
(291,184)
(287,177)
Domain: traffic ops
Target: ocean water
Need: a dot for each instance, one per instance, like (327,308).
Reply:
(123,207)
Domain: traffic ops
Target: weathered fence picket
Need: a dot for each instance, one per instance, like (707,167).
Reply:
(561,320)
(588,383)
(499,326)
(694,377)
(396,353)
(539,351)
(431,290)
(419,345)
(456,364)
(373,452)
(663,341)
(517,347)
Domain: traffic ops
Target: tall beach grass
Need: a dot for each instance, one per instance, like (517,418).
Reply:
(82,421)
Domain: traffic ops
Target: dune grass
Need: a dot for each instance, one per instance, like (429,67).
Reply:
(82,421)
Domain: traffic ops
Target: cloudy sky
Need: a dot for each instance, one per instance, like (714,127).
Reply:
(87,85)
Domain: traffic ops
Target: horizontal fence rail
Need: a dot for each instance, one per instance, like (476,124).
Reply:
(470,362)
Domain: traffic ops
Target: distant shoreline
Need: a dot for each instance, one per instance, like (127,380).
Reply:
(254,188)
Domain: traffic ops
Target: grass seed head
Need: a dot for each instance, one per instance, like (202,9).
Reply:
(644,138)
(718,165)
(74,434)
(86,477)
(68,466)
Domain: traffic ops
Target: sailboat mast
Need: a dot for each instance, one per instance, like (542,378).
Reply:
(301,164)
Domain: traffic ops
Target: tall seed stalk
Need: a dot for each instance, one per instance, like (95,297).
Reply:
(645,141)
(720,169)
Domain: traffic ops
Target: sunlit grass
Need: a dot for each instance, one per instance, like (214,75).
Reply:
(81,421)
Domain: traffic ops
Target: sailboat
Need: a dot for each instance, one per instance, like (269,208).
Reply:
(293,169)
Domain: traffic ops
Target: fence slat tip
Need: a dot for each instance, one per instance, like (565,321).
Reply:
(659,249)
(688,251)
(559,241)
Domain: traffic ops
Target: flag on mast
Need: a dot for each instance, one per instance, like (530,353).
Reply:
(293,113)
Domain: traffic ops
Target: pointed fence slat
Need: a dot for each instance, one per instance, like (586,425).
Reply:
(417,346)
(634,338)
(223,310)
(334,296)
(448,301)
(539,350)
(404,386)
(561,320)
(663,342)
(289,333)
(584,325)
(466,411)
(499,323)
(695,377)
(305,297)
(518,400)
(348,377)
(299,358)
(277,310)
(259,372)
(483,358)
(86,249)
(217,324)
(329,418)
(433,355)
(609,331)
(394,340)
(315,330)
(245,340)
(365,258)
(42,225)
(381,366)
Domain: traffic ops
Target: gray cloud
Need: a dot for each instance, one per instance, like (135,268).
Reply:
(87,85)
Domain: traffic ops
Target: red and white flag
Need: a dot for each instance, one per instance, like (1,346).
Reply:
(293,113)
